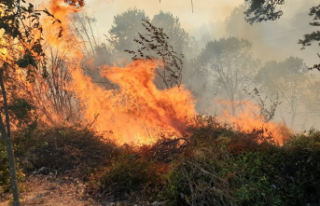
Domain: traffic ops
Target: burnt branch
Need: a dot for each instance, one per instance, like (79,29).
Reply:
(155,45)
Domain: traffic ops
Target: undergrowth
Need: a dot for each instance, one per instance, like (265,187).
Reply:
(213,166)
(4,169)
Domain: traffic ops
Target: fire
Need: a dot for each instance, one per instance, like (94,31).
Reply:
(137,111)
(6,44)
(62,35)
(249,119)
(61,44)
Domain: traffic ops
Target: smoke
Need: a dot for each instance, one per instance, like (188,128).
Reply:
(271,41)
(210,21)
(215,11)
(276,40)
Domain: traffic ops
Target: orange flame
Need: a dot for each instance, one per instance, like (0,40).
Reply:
(62,11)
(138,110)
(247,120)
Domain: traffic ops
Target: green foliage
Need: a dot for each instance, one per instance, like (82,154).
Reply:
(314,36)
(229,78)
(20,108)
(129,172)
(25,62)
(261,10)
(4,169)
(178,37)
(274,75)
(125,28)
(64,149)
(5,172)
(235,170)
(23,115)
(13,20)
(266,113)
(214,166)
(155,44)
(223,46)
(288,79)
(281,176)
(20,112)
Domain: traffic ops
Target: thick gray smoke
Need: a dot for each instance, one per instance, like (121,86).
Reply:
(272,41)
(228,58)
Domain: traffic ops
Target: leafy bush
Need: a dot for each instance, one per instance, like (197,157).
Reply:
(285,176)
(214,166)
(132,174)
(77,150)
(4,169)
(5,184)
(235,170)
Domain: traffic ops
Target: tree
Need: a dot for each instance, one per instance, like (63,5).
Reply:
(125,28)
(20,23)
(84,26)
(312,98)
(178,37)
(162,38)
(96,54)
(288,79)
(265,10)
(229,64)
(12,19)
(154,44)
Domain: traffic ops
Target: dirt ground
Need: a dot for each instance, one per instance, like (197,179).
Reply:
(51,191)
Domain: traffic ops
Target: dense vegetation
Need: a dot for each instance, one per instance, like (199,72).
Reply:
(214,166)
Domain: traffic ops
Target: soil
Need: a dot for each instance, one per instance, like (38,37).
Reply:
(48,190)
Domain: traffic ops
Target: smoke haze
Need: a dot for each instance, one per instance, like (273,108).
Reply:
(208,21)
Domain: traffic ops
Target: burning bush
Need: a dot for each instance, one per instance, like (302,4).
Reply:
(213,166)
(212,173)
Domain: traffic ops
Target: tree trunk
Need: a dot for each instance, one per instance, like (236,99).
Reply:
(6,135)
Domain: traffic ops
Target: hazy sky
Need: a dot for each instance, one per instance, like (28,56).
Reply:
(204,11)
(271,40)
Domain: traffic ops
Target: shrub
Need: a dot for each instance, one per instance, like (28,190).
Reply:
(66,149)
(134,173)
(4,169)
(236,170)
(5,184)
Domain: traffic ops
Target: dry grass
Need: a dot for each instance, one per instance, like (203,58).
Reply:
(50,191)
(213,166)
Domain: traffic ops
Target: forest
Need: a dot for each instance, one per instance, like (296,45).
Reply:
(159,103)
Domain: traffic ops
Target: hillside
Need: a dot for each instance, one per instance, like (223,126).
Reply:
(213,166)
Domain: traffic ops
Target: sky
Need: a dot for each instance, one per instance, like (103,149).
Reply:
(210,20)
(207,20)
(204,11)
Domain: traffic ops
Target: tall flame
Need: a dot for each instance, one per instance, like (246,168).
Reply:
(135,110)
(138,110)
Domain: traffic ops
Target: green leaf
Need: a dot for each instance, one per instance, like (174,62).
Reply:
(4,26)
(23,63)
(27,60)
